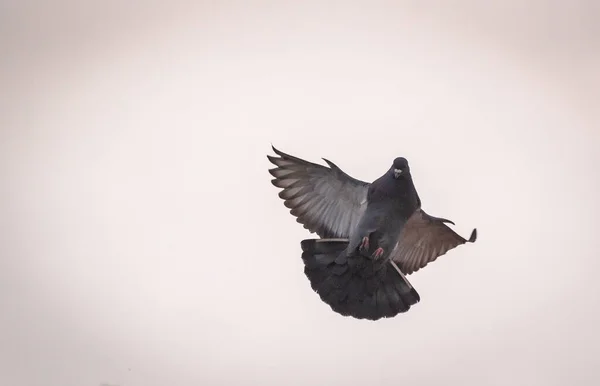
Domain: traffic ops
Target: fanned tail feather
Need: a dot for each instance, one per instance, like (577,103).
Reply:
(355,285)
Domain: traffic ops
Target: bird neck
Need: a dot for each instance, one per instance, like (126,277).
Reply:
(390,188)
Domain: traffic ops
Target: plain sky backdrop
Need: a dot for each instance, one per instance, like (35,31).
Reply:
(142,244)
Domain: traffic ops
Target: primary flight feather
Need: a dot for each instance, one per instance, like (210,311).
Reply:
(371,234)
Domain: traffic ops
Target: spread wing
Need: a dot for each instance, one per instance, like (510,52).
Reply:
(325,200)
(423,239)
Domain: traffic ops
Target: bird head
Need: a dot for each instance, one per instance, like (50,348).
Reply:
(400,167)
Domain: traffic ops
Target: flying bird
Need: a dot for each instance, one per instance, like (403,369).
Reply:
(371,235)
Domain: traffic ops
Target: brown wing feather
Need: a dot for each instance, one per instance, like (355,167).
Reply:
(325,200)
(423,239)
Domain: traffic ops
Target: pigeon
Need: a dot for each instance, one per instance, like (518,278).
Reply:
(371,235)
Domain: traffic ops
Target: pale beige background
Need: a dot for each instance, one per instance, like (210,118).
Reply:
(142,243)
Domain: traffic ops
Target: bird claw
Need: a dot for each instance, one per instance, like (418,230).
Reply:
(364,245)
(378,253)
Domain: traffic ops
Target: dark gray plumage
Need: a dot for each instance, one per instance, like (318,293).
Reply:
(372,234)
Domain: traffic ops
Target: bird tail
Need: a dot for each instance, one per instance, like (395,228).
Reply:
(355,285)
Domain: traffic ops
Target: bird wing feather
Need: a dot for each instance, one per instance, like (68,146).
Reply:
(325,200)
(423,239)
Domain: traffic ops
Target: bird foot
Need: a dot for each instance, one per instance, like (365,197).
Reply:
(378,253)
(364,245)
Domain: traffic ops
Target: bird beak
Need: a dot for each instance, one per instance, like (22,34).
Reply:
(397,173)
